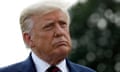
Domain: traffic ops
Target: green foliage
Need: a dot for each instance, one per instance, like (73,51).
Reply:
(95,30)
(80,14)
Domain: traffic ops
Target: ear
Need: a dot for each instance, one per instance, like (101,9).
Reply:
(27,39)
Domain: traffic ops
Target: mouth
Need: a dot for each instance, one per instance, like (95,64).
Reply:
(61,43)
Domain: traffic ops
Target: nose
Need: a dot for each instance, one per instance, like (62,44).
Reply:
(59,31)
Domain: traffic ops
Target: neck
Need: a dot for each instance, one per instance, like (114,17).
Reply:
(52,60)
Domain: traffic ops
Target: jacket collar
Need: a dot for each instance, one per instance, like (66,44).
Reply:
(28,65)
(72,66)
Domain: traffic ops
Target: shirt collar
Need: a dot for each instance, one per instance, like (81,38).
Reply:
(62,66)
(42,66)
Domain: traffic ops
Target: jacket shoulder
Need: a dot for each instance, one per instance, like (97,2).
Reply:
(23,66)
(84,68)
(11,68)
(79,68)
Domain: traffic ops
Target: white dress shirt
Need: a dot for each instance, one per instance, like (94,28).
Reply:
(42,66)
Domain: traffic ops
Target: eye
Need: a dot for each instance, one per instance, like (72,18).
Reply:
(48,26)
(63,24)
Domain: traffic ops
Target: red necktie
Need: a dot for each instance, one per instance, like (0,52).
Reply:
(53,69)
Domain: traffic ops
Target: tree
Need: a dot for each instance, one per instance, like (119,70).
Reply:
(95,31)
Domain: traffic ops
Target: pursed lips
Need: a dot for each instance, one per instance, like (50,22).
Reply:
(60,43)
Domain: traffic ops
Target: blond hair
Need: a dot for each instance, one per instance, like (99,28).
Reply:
(40,8)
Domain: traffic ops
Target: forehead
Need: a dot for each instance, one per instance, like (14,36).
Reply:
(56,14)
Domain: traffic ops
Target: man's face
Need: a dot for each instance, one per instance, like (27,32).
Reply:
(50,35)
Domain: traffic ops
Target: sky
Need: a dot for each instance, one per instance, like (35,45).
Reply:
(12,48)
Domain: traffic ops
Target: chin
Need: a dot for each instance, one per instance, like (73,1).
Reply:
(64,51)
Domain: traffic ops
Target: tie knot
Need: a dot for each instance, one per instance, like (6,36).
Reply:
(53,69)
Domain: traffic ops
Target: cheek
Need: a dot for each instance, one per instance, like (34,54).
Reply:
(43,44)
(45,40)
(68,35)
(69,39)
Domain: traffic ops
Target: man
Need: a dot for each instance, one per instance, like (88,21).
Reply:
(45,30)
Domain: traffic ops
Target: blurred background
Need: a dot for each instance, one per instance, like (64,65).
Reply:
(95,31)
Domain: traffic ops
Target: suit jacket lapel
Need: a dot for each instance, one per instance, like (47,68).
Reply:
(72,67)
(27,65)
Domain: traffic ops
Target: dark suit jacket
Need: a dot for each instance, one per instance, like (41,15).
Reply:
(28,66)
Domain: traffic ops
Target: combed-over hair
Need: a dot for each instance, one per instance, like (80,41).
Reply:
(41,9)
